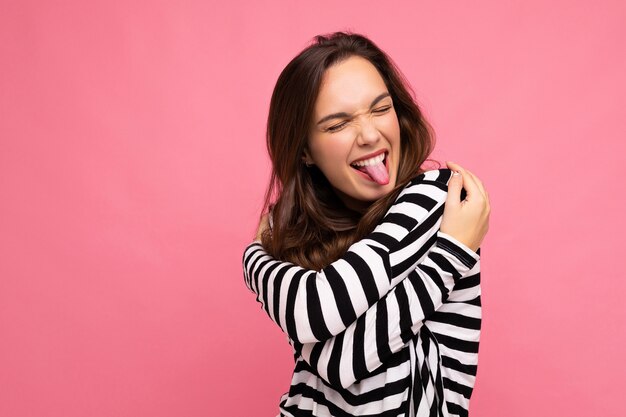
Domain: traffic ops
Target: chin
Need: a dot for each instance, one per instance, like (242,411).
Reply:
(361,195)
(374,195)
(383,192)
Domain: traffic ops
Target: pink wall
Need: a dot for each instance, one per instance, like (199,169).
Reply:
(132,169)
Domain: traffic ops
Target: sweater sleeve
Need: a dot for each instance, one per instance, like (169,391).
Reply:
(313,306)
(456,327)
(389,324)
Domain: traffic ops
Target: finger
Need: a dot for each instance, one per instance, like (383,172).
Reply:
(478,182)
(466,179)
(469,182)
(453,166)
(453,199)
(474,184)
(456,167)
(476,179)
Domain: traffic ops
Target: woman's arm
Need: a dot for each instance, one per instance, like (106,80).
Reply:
(456,326)
(313,306)
(389,324)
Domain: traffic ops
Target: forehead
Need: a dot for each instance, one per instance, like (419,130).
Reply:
(348,86)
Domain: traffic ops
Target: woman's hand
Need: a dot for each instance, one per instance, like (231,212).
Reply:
(263,225)
(468,220)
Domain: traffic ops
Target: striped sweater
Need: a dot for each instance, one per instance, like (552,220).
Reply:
(389,329)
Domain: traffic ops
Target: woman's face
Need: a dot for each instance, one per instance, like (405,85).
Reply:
(355,123)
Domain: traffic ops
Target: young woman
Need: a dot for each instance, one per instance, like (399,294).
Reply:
(367,262)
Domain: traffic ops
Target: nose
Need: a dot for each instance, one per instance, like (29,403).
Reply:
(368,132)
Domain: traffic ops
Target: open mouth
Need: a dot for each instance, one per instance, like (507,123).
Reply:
(376,170)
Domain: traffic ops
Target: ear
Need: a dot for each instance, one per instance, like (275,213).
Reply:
(306,157)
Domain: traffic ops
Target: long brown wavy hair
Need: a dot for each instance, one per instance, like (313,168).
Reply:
(311,226)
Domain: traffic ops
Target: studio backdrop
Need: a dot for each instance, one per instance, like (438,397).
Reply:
(133,167)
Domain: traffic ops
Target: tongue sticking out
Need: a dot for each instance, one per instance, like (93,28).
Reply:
(378,172)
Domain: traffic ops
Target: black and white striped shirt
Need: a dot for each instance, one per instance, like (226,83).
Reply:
(391,328)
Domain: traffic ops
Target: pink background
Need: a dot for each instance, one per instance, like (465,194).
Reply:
(133,166)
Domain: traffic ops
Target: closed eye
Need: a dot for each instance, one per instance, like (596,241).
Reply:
(381,109)
(336,127)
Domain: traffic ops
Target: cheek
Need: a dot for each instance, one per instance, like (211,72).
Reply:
(333,150)
(391,126)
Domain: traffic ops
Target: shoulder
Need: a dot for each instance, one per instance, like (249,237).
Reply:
(440,176)
(429,186)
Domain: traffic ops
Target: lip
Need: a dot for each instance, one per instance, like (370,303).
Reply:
(368,156)
(368,178)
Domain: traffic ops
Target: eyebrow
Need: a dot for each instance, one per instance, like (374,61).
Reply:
(344,114)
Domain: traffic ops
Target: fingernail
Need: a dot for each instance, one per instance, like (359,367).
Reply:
(455,173)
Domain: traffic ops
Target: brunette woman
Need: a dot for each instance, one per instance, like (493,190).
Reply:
(368,262)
